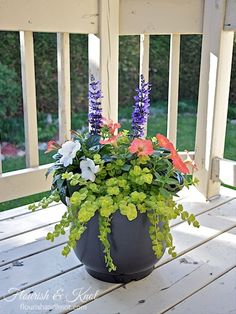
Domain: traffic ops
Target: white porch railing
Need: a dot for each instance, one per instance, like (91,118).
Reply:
(104,21)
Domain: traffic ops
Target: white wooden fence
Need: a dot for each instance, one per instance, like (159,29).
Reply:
(104,21)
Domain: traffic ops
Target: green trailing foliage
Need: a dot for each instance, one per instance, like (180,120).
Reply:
(104,230)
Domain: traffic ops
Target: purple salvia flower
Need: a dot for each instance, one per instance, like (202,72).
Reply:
(95,109)
(141,108)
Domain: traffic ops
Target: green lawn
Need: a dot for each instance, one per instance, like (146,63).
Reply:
(157,124)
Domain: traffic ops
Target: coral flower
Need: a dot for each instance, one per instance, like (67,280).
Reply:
(141,147)
(112,126)
(52,145)
(176,159)
(178,162)
(111,140)
(164,142)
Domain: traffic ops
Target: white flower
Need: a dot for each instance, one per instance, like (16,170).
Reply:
(68,152)
(88,169)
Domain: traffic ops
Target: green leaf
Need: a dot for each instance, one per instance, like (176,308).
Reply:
(106,211)
(164,192)
(171,181)
(126,167)
(196,224)
(92,141)
(184,215)
(52,169)
(129,211)
(160,236)
(191,218)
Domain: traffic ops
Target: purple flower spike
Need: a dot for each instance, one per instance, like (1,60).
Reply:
(95,109)
(141,108)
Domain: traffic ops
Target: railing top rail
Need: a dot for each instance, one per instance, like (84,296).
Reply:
(135,17)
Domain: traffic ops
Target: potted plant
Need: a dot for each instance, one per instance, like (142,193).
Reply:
(118,188)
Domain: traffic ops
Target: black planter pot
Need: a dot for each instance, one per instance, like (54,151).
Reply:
(131,249)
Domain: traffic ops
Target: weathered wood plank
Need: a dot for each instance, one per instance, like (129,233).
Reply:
(19,211)
(217,47)
(24,274)
(64,98)
(29,98)
(62,293)
(226,191)
(136,17)
(71,16)
(21,224)
(217,297)
(173,281)
(173,91)
(160,17)
(224,170)
(196,204)
(230,16)
(78,279)
(24,182)
(27,244)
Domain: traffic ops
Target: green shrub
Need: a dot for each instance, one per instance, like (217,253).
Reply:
(46,67)
(9,92)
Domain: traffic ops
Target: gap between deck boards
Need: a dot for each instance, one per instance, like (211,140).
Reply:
(204,286)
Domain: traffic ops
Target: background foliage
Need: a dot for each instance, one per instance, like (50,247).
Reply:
(46,71)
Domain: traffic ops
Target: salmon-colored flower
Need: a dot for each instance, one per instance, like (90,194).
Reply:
(52,145)
(176,159)
(164,142)
(111,140)
(178,162)
(112,126)
(141,147)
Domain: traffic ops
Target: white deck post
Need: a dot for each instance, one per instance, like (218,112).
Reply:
(29,98)
(173,87)
(64,101)
(103,56)
(217,47)
(144,56)
(144,62)
(94,56)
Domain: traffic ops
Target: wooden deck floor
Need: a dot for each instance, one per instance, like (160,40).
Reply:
(35,278)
